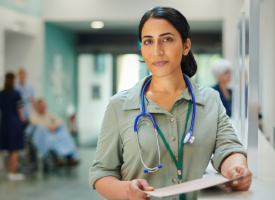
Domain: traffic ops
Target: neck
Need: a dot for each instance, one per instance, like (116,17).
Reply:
(222,85)
(173,83)
(21,83)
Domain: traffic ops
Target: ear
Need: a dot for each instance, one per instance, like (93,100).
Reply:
(186,47)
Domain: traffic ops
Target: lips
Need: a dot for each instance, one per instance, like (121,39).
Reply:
(160,63)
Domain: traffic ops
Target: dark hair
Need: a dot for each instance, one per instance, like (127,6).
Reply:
(174,17)
(9,82)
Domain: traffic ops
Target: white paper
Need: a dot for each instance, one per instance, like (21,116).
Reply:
(190,186)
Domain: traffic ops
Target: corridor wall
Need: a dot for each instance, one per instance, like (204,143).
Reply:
(60,69)
(31,27)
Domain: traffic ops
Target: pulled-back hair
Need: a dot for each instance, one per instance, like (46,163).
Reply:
(9,82)
(174,17)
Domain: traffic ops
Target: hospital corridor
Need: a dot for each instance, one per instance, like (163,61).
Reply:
(138,100)
(60,183)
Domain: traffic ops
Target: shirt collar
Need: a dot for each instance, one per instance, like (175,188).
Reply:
(133,100)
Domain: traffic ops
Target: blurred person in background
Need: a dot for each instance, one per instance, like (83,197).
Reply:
(222,72)
(71,114)
(27,93)
(50,134)
(72,122)
(11,130)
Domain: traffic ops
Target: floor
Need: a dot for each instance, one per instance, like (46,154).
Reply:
(64,183)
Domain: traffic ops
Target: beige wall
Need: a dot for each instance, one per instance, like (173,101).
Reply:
(28,27)
(267,67)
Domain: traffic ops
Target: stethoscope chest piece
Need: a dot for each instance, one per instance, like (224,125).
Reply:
(189,138)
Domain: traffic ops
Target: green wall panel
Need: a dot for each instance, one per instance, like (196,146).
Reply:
(61,42)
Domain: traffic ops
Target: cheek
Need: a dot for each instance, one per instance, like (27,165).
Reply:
(175,54)
(145,52)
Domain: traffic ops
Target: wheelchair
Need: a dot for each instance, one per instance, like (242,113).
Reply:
(30,158)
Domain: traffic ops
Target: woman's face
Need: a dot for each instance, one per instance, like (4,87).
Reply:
(162,47)
(225,77)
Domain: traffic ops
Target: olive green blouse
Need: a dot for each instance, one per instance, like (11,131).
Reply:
(117,152)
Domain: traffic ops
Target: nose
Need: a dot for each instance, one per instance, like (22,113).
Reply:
(158,50)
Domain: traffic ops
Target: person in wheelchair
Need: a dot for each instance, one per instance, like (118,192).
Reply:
(50,134)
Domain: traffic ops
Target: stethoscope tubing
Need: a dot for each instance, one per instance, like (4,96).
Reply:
(194,104)
(143,113)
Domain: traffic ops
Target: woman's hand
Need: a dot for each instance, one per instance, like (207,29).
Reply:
(234,166)
(135,190)
(240,184)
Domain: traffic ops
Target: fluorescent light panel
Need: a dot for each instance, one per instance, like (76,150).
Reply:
(97,24)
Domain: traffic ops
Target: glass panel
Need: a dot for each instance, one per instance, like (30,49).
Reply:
(95,74)
(241,82)
(204,75)
(129,71)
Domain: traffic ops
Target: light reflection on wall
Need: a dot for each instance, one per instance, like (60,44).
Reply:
(127,71)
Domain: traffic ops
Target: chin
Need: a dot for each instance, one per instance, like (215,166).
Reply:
(162,73)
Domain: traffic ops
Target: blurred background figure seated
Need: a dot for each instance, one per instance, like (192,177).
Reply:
(222,72)
(50,134)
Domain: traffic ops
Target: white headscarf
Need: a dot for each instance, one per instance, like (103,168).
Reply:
(220,67)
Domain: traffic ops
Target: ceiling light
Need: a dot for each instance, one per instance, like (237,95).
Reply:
(97,24)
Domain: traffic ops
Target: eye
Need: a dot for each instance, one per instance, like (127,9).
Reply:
(147,42)
(168,39)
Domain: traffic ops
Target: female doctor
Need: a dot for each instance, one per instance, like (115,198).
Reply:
(191,122)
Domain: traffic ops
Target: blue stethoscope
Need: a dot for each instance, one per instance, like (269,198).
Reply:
(188,137)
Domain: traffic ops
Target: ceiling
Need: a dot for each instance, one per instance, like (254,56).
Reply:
(132,26)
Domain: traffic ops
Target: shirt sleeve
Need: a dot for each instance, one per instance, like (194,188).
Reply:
(18,99)
(31,92)
(227,141)
(108,159)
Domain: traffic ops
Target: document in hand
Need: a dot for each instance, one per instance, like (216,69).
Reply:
(190,186)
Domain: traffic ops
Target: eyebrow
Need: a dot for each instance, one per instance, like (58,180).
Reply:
(163,34)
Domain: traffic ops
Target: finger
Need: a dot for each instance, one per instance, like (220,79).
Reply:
(247,173)
(236,182)
(239,185)
(145,185)
(231,173)
(242,181)
(228,189)
(136,190)
(240,169)
(244,186)
(225,185)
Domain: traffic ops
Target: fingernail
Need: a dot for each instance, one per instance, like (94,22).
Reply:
(148,195)
(224,186)
(235,182)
